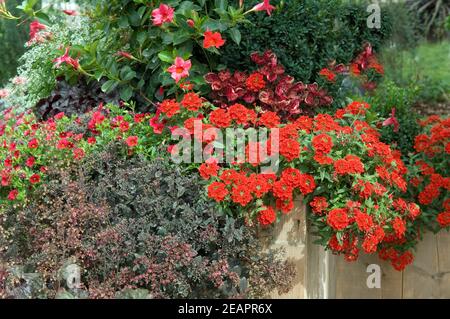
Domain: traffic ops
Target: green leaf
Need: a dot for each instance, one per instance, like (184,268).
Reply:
(134,18)
(123,22)
(127,74)
(43,17)
(141,37)
(108,86)
(165,56)
(221,4)
(185,8)
(214,25)
(180,37)
(235,35)
(125,93)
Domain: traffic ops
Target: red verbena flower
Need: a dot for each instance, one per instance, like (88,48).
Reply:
(220,118)
(443,219)
(207,170)
(217,191)
(269,119)
(322,143)
(240,194)
(319,204)
(169,107)
(337,218)
(330,75)
(289,149)
(267,216)
(363,221)
(255,82)
(399,227)
(191,101)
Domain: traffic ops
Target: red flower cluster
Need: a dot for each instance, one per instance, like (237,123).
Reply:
(433,183)
(337,218)
(267,216)
(169,107)
(398,260)
(319,204)
(192,101)
(351,164)
(255,82)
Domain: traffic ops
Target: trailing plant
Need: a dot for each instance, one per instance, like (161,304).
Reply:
(429,176)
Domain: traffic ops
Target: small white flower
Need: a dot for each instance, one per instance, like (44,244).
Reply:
(19,80)
(4,93)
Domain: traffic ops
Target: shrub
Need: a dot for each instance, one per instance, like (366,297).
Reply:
(138,228)
(389,100)
(12,38)
(306,36)
(36,73)
(74,99)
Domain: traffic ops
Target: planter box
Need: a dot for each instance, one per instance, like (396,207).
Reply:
(323,275)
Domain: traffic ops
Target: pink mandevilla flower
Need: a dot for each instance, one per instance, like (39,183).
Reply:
(35,27)
(66,59)
(392,121)
(180,69)
(70,12)
(162,15)
(265,5)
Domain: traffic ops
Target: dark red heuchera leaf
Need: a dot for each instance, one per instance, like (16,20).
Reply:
(279,92)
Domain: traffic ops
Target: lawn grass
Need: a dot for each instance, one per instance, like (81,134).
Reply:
(427,67)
